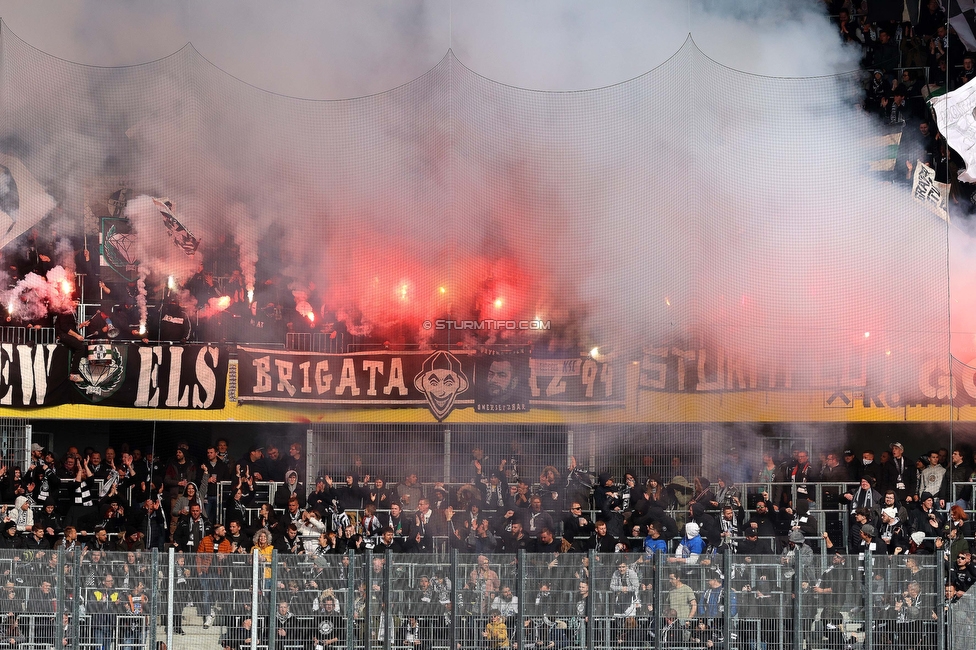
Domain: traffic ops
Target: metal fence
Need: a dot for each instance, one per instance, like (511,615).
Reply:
(314,601)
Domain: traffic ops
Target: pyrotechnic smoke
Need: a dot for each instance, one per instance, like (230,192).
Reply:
(141,302)
(694,206)
(33,297)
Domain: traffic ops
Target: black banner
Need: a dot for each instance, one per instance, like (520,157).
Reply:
(116,374)
(503,383)
(439,381)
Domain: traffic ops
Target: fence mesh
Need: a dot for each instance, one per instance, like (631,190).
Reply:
(90,599)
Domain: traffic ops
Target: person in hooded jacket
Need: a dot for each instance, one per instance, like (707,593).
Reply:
(691,547)
(608,500)
(703,494)
(291,487)
(711,532)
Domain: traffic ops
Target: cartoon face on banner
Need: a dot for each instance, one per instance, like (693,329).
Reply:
(441,381)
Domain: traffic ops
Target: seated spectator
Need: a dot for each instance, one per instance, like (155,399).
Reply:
(507,604)
(496,632)
(237,637)
(691,546)
(546,542)
(751,544)
(654,543)
(22,515)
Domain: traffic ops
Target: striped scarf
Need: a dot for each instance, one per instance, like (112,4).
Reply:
(83,495)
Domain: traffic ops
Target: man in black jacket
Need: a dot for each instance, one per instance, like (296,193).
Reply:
(191,529)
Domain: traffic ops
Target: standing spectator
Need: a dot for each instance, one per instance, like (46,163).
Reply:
(274,464)
(735,469)
(210,568)
(82,511)
(484,583)
(831,590)
(43,603)
(897,474)
(681,599)
(189,495)
(534,519)
(959,473)
(178,474)
(213,472)
(409,493)
(137,606)
(290,489)
(884,53)
(286,626)
(932,479)
(66,328)
(106,605)
(250,464)
(191,529)
(962,576)
(296,461)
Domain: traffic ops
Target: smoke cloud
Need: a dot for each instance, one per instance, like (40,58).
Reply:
(711,193)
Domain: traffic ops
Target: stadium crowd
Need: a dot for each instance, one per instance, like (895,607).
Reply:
(910,512)
(104,503)
(906,64)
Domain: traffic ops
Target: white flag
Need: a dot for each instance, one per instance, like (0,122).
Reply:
(954,114)
(23,201)
(930,192)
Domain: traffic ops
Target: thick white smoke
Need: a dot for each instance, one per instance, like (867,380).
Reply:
(694,205)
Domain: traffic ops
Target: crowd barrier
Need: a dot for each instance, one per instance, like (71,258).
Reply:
(267,601)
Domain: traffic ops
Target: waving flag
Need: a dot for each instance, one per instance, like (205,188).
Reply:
(23,200)
(181,236)
(954,115)
(962,18)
